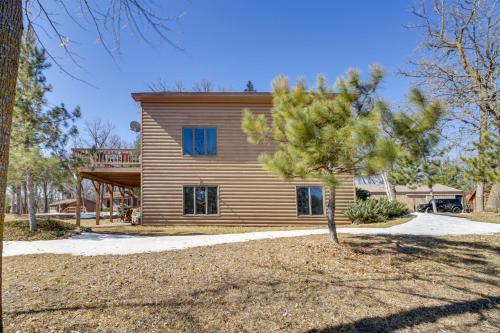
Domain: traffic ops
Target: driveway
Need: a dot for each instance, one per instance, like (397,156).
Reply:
(89,244)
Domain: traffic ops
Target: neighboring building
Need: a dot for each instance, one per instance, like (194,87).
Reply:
(197,167)
(413,197)
(69,206)
(128,199)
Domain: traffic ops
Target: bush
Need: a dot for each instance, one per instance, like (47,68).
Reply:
(373,210)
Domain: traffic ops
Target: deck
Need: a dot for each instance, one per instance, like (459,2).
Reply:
(108,169)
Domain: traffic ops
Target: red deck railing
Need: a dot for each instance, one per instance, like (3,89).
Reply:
(109,157)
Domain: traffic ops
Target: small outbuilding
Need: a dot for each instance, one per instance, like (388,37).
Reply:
(413,197)
(69,206)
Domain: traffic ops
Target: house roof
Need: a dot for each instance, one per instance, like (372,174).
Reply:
(438,188)
(66,201)
(265,98)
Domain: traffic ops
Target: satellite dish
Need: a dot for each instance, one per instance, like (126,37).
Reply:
(135,126)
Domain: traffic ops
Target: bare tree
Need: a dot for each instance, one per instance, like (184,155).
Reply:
(161,85)
(459,63)
(100,134)
(203,85)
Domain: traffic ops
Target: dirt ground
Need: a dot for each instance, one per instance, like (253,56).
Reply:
(370,284)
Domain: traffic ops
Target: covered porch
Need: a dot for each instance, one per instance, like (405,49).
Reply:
(111,172)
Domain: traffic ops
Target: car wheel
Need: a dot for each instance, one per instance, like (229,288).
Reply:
(428,210)
(456,210)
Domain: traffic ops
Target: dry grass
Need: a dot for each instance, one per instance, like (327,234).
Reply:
(372,284)
(16,230)
(386,224)
(188,230)
(483,217)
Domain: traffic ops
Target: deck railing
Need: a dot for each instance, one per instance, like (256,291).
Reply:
(109,157)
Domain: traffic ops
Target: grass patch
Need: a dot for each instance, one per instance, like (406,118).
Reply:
(189,230)
(18,230)
(386,224)
(371,284)
(483,217)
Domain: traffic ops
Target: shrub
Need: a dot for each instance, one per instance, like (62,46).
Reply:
(375,210)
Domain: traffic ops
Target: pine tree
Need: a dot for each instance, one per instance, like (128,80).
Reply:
(249,87)
(417,136)
(35,126)
(321,133)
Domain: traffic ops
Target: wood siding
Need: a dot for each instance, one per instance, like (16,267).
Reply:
(248,195)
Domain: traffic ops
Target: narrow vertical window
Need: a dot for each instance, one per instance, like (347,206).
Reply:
(303,200)
(310,200)
(188,200)
(199,139)
(201,200)
(316,196)
(212,200)
(187,141)
(211,136)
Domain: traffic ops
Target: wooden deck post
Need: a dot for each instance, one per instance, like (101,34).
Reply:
(97,187)
(110,190)
(78,201)
(122,203)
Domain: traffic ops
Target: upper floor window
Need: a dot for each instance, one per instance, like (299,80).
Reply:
(309,200)
(199,141)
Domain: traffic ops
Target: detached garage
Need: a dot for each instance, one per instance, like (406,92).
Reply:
(413,197)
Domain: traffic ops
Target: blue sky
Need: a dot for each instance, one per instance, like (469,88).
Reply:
(230,42)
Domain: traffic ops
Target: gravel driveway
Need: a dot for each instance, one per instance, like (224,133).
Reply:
(89,244)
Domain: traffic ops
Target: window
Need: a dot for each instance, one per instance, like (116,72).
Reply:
(309,200)
(199,141)
(201,200)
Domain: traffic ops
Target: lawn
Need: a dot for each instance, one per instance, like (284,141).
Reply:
(371,284)
(483,217)
(47,230)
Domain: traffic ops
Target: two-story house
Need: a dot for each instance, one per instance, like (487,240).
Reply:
(198,168)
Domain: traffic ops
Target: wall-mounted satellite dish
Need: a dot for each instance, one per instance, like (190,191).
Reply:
(135,126)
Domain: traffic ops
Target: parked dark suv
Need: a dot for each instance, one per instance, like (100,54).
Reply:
(442,205)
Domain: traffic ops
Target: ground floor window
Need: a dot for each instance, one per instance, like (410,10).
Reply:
(309,200)
(201,200)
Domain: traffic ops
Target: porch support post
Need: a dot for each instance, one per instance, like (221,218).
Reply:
(110,190)
(122,204)
(78,201)
(97,187)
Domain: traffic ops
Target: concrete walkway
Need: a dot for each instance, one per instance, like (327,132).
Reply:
(89,244)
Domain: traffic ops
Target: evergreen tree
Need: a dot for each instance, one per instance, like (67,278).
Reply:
(417,136)
(249,87)
(321,133)
(35,127)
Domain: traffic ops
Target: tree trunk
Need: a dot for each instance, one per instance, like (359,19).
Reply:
(31,202)
(479,197)
(25,198)
(18,201)
(97,187)
(11,29)
(331,216)
(390,189)
(493,203)
(434,207)
(78,202)
(45,198)
(483,128)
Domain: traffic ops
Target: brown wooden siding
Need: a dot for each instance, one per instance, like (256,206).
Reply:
(248,195)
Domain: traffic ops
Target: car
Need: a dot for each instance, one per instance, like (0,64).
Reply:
(442,205)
